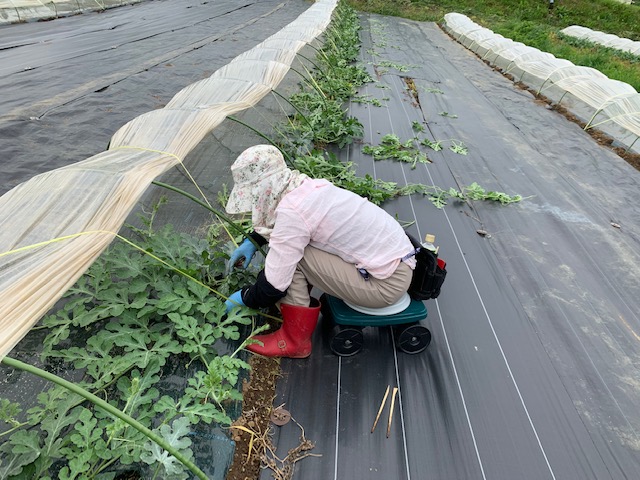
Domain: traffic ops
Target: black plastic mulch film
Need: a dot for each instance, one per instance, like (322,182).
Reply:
(536,326)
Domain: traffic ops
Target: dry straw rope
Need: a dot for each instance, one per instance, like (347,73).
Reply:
(55,225)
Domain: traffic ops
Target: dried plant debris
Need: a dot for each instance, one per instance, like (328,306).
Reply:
(283,469)
(260,446)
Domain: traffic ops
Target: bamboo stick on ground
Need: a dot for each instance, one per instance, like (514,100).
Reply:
(393,402)
(381,407)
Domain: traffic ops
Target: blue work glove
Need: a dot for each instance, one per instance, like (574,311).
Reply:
(235,300)
(246,250)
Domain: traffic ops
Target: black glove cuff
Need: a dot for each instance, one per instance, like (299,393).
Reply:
(259,239)
(262,294)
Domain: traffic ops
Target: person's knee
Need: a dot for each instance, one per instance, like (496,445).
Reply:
(392,298)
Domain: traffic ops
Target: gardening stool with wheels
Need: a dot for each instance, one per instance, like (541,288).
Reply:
(348,320)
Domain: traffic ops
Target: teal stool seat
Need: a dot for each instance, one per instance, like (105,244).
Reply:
(346,324)
(345,315)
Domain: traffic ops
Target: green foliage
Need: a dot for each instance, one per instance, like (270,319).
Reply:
(326,165)
(218,382)
(20,453)
(436,146)
(30,453)
(167,465)
(366,99)
(432,90)
(396,66)
(9,412)
(131,312)
(84,444)
(476,192)
(417,127)
(324,122)
(391,147)
(440,197)
(458,147)
(320,118)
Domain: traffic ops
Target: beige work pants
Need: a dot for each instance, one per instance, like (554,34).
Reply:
(341,279)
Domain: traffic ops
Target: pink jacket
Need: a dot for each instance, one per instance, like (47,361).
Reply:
(337,221)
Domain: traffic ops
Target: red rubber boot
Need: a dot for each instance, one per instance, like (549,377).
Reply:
(293,339)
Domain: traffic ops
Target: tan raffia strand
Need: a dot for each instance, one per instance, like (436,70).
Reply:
(54,226)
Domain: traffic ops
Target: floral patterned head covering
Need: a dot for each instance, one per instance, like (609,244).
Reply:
(261,179)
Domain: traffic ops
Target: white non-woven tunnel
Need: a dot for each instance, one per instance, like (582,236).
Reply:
(611,105)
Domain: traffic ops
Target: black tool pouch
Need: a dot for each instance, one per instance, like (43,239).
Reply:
(429,274)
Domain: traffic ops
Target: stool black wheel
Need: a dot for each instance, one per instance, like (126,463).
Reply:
(413,338)
(346,341)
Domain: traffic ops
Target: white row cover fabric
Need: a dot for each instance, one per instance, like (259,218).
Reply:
(605,39)
(625,110)
(55,225)
(609,100)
